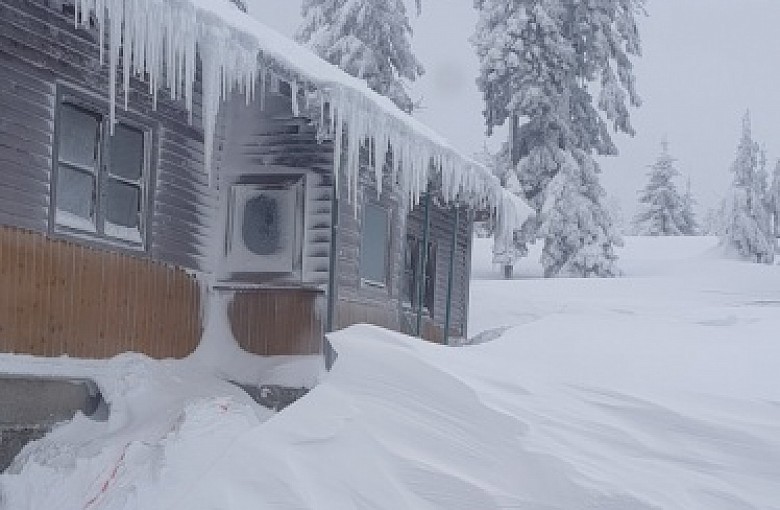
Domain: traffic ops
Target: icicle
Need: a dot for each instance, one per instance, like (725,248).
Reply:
(263,74)
(127,52)
(115,12)
(321,125)
(100,16)
(295,106)
(159,40)
(306,102)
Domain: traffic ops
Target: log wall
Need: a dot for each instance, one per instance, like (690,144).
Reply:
(58,297)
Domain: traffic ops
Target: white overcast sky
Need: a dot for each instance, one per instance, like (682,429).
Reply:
(704,63)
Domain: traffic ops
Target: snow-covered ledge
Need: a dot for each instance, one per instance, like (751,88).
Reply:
(163,37)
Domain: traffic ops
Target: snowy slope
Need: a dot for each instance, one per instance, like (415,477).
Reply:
(657,390)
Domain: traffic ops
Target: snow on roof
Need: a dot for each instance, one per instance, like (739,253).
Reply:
(163,37)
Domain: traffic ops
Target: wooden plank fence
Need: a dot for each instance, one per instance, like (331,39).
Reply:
(58,297)
(278,321)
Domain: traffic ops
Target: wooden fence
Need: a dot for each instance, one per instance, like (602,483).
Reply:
(58,297)
(278,321)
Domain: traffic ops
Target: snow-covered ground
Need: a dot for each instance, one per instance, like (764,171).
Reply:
(656,390)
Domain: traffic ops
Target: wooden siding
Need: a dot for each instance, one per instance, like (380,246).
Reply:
(278,321)
(57,297)
(442,223)
(356,301)
(39,50)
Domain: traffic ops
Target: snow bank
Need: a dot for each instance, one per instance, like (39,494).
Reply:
(163,37)
(655,391)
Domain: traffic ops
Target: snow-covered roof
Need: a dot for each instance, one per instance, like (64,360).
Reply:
(164,36)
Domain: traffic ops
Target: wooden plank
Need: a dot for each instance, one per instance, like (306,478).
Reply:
(131,324)
(152,304)
(184,301)
(75,336)
(96,298)
(252,317)
(175,325)
(45,294)
(144,320)
(154,316)
(118,311)
(192,316)
(18,269)
(166,323)
(136,318)
(32,313)
(106,302)
(5,341)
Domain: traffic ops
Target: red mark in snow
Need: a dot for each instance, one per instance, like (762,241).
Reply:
(111,478)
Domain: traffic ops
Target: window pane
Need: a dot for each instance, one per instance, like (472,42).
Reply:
(373,249)
(123,203)
(127,152)
(75,198)
(79,134)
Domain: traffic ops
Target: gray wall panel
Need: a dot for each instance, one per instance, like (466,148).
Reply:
(253,145)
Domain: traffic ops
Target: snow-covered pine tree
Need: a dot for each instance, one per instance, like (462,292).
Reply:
(615,209)
(541,61)
(578,232)
(689,215)
(713,221)
(774,199)
(747,226)
(369,39)
(662,210)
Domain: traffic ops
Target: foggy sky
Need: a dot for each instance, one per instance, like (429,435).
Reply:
(704,63)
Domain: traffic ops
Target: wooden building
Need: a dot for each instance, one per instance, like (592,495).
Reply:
(130,196)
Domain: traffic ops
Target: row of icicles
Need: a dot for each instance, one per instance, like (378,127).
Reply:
(158,41)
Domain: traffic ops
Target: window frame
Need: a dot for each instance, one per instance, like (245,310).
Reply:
(97,106)
(367,281)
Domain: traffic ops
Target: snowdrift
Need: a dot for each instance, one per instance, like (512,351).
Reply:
(655,391)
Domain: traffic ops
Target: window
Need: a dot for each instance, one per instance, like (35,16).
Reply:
(265,225)
(413,270)
(374,245)
(99,180)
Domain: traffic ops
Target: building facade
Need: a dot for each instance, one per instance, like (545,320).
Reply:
(122,214)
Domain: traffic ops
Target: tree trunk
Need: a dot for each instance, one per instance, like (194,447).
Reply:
(508,271)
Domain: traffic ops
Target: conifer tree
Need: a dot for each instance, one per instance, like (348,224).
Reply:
(663,211)
(774,199)
(542,61)
(689,216)
(578,232)
(369,39)
(713,221)
(747,226)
